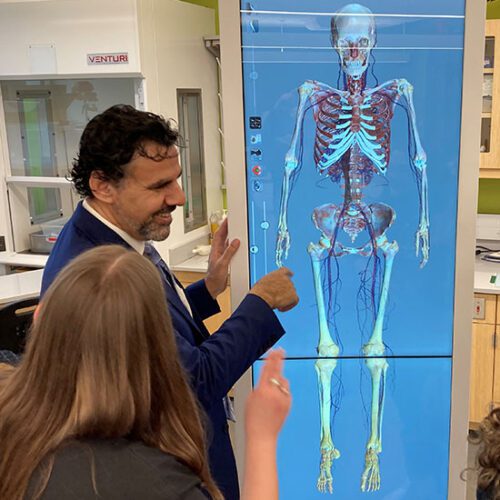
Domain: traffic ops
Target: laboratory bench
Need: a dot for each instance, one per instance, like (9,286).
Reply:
(19,286)
(10,260)
(195,264)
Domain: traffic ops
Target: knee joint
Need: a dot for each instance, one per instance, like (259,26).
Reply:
(328,350)
(374,349)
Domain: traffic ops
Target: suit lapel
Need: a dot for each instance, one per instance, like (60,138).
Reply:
(95,231)
(100,234)
(197,320)
(175,302)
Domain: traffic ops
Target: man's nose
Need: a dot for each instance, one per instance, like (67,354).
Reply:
(177,197)
(354,52)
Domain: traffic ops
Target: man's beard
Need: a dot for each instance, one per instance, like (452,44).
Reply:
(151,230)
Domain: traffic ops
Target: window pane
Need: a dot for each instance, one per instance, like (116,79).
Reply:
(193,175)
(489,62)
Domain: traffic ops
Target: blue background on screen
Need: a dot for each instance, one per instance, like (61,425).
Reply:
(441,7)
(414,459)
(419,319)
(422,42)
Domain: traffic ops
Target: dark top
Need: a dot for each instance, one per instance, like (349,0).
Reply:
(124,470)
(213,362)
(484,495)
(9,357)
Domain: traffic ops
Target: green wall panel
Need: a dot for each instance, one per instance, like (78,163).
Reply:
(493,9)
(489,196)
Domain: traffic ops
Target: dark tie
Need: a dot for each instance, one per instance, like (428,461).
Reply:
(152,254)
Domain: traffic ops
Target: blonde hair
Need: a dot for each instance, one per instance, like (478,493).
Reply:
(5,371)
(489,454)
(101,362)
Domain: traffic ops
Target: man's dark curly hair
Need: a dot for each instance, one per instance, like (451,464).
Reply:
(111,139)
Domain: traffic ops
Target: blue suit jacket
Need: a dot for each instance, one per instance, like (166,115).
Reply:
(214,362)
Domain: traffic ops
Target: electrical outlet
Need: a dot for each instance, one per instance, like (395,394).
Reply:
(2,244)
(479,312)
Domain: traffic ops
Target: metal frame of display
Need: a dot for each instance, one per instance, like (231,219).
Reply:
(233,113)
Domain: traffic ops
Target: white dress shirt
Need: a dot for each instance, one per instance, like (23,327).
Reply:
(137,245)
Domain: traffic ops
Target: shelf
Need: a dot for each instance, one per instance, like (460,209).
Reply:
(212,44)
(490,173)
(489,161)
(33,181)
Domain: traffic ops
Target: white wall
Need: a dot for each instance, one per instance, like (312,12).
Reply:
(74,28)
(174,57)
(164,40)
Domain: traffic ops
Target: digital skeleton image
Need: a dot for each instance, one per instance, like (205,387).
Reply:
(352,144)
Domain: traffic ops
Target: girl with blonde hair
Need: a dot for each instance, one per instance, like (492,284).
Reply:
(100,406)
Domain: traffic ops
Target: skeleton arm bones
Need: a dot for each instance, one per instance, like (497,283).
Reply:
(419,162)
(291,166)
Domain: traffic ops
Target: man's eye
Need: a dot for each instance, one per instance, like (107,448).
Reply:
(364,42)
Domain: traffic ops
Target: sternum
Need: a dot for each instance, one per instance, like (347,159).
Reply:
(356,118)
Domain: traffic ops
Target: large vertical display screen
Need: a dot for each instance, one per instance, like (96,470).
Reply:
(352,129)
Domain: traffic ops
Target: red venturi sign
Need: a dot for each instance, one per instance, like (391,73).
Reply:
(107,58)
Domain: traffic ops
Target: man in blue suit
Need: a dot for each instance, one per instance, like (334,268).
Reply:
(126,171)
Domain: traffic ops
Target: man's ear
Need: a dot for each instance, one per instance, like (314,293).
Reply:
(102,189)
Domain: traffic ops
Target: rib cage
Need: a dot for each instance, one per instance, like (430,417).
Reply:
(365,118)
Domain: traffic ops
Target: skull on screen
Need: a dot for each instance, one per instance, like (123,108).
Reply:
(353,37)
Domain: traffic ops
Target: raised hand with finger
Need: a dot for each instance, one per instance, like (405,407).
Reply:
(266,411)
(270,402)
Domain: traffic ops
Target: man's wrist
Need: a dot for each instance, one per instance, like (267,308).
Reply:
(212,290)
(262,295)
